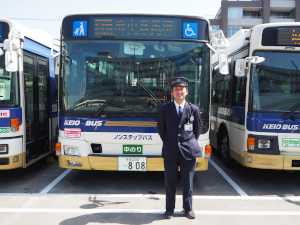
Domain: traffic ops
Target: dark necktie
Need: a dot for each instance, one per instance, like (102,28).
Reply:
(179,111)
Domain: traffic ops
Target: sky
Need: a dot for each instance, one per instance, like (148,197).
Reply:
(48,15)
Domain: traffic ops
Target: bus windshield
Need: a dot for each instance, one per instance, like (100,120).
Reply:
(130,78)
(275,83)
(9,88)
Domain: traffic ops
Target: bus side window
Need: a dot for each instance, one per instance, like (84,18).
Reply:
(239,94)
(217,86)
(226,90)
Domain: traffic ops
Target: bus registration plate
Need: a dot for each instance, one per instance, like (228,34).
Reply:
(132,163)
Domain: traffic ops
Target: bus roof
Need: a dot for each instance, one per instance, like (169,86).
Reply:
(139,13)
(244,36)
(39,36)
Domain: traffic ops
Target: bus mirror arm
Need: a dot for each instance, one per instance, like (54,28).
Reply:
(56,42)
(54,55)
(218,40)
(253,60)
(211,47)
(257,60)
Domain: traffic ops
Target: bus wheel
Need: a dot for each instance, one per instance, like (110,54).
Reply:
(226,157)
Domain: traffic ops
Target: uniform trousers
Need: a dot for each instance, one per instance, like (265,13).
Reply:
(187,171)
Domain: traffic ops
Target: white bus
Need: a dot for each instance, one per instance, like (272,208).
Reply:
(28,98)
(255,108)
(114,77)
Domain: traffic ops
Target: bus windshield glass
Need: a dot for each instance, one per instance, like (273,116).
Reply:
(9,87)
(130,78)
(275,83)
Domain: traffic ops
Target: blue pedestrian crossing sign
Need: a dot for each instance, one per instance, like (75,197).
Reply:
(190,30)
(79,28)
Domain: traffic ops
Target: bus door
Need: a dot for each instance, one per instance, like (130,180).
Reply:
(36,105)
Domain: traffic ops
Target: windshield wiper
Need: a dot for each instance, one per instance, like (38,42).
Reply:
(150,92)
(146,88)
(89,103)
(291,111)
(102,107)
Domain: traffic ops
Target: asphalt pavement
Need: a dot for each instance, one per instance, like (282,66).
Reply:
(45,194)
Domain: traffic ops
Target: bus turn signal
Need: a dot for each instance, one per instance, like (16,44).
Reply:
(14,124)
(208,151)
(58,149)
(250,143)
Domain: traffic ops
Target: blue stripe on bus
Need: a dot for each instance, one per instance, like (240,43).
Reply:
(258,122)
(14,113)
(238,115)
(234,114)
(92,124)
(271,122)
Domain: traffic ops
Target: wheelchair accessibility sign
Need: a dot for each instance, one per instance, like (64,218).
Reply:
(190,30)
(79,28)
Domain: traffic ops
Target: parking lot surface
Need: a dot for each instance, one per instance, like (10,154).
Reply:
(46,194)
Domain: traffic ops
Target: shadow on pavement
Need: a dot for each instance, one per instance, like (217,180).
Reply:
(114,218)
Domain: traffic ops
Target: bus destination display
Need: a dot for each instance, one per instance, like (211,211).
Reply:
(134,27)
(281,36)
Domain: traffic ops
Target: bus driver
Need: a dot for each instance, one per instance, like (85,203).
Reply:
(179,127)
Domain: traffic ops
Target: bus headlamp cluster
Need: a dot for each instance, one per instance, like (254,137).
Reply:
(261,144)
(71,150)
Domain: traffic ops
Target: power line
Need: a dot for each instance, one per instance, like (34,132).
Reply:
(36,19)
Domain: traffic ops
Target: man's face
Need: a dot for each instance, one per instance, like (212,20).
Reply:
(179,93)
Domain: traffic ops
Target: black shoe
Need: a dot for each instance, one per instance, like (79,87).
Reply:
(191,214)
(168,215)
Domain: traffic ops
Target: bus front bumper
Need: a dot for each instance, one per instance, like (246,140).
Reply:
(275,162)
(11,156)
(111,163)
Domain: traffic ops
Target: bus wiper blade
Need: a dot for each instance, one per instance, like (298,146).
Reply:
(97,113)
(89,102)
(150,92)
(291,111)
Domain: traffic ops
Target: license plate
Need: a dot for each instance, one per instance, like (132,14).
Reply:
(132,163)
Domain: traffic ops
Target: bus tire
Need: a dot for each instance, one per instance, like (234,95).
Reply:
(225,152)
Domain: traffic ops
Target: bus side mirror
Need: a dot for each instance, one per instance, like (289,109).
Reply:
(223,63)
(11,61)
(239,69)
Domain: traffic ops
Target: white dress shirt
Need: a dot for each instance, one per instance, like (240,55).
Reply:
(177,106)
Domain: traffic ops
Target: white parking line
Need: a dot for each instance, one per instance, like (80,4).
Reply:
(135,211)
(228,179)
(56,181)
(157,196)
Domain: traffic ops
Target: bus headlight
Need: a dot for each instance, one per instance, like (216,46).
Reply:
(71,150)
(263,143)
(3,149)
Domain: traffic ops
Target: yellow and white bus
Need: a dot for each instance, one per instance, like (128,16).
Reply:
(114,77)
(255,108)
(28,99)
